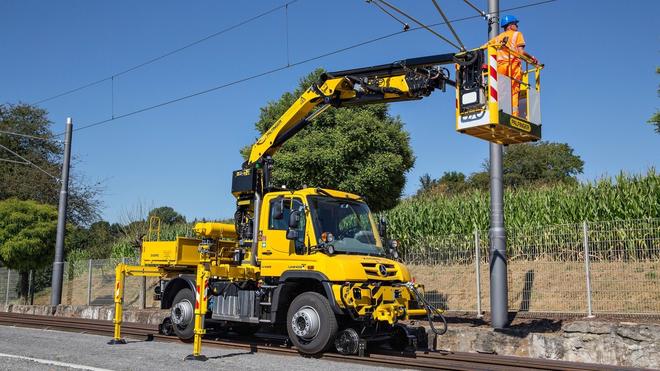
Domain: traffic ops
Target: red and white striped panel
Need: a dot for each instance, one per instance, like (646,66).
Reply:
(492,78)
(199,293)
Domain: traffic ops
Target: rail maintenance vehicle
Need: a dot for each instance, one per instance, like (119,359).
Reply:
(316,261)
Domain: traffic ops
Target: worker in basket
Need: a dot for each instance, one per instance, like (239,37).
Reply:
(507,63)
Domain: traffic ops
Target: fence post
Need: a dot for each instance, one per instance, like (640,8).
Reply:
(7,291)
(585,242)
(477,267)
(29,299)
(89,282)
(143,293)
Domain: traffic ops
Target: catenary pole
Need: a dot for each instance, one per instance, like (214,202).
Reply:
(499,310)
(58,263)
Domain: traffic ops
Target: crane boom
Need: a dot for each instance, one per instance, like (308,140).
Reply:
(409,79)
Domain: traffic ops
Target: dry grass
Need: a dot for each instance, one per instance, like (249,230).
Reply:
(549,286)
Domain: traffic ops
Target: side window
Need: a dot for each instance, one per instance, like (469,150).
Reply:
(300,241)
(281,223)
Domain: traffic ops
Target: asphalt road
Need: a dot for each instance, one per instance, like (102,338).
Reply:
(35,349)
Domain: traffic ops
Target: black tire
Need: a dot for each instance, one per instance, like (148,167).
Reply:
(185,331)
(324,337)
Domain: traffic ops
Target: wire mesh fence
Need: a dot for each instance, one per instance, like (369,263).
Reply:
(88,282)
(595,267)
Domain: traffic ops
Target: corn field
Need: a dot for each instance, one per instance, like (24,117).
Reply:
(417,221)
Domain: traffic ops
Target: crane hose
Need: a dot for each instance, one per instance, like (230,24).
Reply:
(465,59)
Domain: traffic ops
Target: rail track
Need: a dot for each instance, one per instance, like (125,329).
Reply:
(419,360)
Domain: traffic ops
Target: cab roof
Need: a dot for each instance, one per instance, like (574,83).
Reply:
(317,192)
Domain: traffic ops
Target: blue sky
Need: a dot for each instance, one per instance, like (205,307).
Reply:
(599,85)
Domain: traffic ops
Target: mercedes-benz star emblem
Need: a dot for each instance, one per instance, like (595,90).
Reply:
(382,270)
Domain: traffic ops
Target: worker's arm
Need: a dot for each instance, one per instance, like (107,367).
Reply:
(521,51)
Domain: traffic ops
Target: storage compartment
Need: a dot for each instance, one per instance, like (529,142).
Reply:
(234,304)
(183,251)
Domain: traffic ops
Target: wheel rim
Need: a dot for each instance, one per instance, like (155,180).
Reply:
(182,313)
(306,323)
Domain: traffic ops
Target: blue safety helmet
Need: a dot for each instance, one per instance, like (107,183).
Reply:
(507,20)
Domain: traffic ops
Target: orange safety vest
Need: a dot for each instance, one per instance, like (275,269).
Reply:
(512,40)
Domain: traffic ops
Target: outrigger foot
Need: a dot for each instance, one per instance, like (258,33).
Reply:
(116,341)
(192,357)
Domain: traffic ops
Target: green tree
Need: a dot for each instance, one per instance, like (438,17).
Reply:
(655,119)
(27,236)
(26,182)
(450,183)
(426,183)
(362,149)
(535,163)
(167,215)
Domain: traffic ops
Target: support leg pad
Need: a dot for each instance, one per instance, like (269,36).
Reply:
(192,357)
(116,341)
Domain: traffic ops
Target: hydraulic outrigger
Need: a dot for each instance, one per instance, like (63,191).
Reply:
(315,259)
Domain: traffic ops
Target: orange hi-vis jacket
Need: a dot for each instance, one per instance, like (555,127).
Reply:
(508,64)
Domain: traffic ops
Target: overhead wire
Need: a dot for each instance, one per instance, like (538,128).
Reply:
(405,25)
(165,55)
(28,162)
(448,23)
(274,70)
(481,12)
(14,161)
(28,136)
(419,23)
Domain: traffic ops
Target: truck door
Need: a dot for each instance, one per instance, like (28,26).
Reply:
(273,241)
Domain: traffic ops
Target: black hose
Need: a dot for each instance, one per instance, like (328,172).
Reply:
(431,311)
(471,57)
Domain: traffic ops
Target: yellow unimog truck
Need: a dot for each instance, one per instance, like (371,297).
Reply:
(315,261)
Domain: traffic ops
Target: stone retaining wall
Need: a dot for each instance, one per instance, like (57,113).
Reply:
(149,316)
(613,343)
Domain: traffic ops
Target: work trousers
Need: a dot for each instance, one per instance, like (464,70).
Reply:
(514,71)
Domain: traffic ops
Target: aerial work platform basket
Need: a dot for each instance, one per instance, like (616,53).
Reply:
(485,98)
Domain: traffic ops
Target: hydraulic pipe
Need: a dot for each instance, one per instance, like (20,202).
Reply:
(255,229)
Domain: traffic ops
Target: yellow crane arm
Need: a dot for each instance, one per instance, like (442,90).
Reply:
(403,80)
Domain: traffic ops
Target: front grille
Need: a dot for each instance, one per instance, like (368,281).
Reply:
(372,270)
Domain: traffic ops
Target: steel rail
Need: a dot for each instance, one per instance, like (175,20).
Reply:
(440,360)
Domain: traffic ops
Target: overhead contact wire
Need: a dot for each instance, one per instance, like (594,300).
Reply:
(155,59)
(406,26)
(481,12)
(420,23)
(30,163)
(448,23)
(337,51)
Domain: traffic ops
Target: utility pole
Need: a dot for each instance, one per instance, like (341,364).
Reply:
(58,263)
(499,310)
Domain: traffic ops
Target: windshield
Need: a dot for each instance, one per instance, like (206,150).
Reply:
(349,223)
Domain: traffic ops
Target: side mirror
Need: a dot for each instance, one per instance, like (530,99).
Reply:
(291,234)
(393,247)
(382,227)
(294,219)
(278,208)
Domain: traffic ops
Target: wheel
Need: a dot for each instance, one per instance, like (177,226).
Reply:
(311,324)
(183,314)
